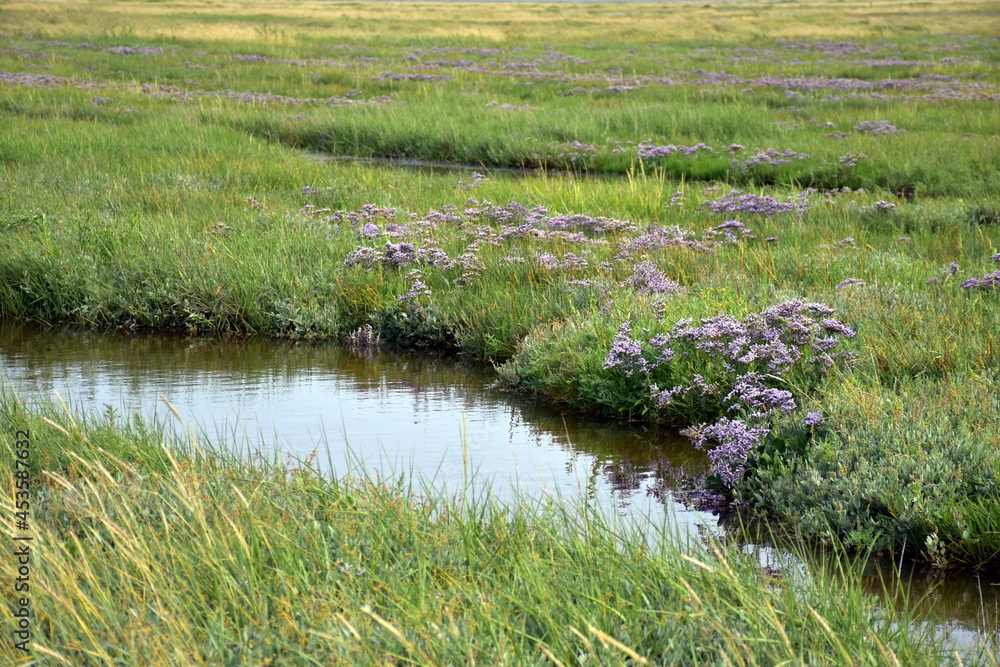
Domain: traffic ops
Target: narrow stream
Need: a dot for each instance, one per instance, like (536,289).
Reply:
(430,418)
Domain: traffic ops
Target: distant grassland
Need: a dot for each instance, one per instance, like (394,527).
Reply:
(162,169)
(274,23)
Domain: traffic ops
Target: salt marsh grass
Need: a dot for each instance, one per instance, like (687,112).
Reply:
(160,171)
(154,549)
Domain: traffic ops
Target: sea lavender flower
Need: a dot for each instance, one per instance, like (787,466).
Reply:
(884,206)
(750,394)
(399,254)
(851,159)
(365,256)
(732,231)
(369,230)
(664,397)
(647,279)
(475,180)
(877,127)
(418,288)
(812,419)
(734,439)
(737,201)
(847,282)
(626,353)
(770,157)
(989,281)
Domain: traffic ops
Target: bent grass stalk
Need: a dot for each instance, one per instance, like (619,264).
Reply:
(212,559)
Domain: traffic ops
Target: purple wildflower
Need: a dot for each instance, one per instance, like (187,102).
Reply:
(851,159)
(989,281)
(737,201)
(767,158)
(626,353)
(877,127)
(735,441)
(647,279)
(812,419)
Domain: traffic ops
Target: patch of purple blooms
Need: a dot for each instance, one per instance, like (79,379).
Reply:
(394,255)
(877,127)
(418,287)
(770,157)
(989,281)
(647,151)
(647,279)
(737,201)
(851,159)
(748,358)
(732,442)
(731,231)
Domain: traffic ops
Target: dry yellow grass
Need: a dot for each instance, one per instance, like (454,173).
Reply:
(284,22)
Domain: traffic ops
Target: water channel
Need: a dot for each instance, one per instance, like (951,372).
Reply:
(429,418)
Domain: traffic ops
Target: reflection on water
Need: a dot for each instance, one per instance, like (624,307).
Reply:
(423,416)
(427,417)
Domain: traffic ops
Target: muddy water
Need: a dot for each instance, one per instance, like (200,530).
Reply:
(429,418)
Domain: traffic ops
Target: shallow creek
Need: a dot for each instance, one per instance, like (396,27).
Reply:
(429,418)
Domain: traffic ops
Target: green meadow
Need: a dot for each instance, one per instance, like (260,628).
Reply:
(775,225)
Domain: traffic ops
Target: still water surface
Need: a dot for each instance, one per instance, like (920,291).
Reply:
(429,418)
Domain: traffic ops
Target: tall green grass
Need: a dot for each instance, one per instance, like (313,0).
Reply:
(152,550)
(144,192)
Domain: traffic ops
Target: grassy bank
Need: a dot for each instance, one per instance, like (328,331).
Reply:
(147,550)
(158,174)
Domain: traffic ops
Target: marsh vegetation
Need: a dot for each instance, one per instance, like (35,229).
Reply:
(776,225)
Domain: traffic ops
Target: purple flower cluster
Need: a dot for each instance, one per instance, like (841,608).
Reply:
(749,357)
(851,159)
(738,201)
(140,50)
(770,157)
(417,288)
(647,151)
(475,180)
(647,279)
(989,281)
(656,238)
(396,76)
(626,353)
(731,231)
(394,255)
(877,127)
(732,442)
